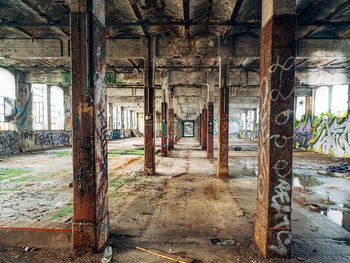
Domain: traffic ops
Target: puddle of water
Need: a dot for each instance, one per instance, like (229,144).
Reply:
(339,216)
(301,180)
(250,166)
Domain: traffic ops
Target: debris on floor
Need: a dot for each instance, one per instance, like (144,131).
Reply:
(222,242)
(169,256)
(107,255)
(239,212)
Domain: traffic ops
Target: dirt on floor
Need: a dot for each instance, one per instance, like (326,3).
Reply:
(184,210)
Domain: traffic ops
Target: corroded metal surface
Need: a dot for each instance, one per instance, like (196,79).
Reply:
(273,217)
(171,129)
(222,169)
(164,129)
(149,94)
(90,216)
(210,138)
(204,129)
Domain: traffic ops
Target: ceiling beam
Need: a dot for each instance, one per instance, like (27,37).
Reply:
(134,65)
(327,19)
(139,17)
(42,17)
(178,23)
(234,15)
(21,31)
(186,9)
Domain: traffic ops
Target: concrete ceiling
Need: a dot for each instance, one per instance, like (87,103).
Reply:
(191,28)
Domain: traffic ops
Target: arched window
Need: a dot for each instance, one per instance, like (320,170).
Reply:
(57,108)
(7,97)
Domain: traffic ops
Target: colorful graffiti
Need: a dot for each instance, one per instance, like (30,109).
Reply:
(327,134)
(331,135)
(235,127)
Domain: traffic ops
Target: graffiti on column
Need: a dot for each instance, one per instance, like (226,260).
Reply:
(100,116)
(281,191)
(211,119)
(164,135)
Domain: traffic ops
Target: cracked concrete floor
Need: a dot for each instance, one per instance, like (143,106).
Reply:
(185,205)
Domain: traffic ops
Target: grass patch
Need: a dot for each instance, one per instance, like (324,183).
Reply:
(117,183)
(6,173)
(10,189)
(119,152)
(62,153)
(22,178)
(63,212)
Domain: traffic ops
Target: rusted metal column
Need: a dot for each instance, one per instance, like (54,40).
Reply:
(89,98)
(171,129)
(204,129)
(200,129)
(164,129)
(223,110)
(210,116)
(149,134)
(277,72)
(178,135)
(210,131)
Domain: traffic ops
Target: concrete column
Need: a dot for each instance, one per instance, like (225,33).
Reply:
(131,119)
(122,115)
(277,74)
(89,98)
(111,116)
(171,122)
(149,94)
(204,129)
(210,116)
(223,110)
(308,106)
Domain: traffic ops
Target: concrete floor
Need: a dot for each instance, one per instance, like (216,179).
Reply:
(184,205)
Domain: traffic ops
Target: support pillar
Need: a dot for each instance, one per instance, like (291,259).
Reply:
(164,129)
(89,98)
(277,74)
(175,128)
(178,137)
(204,129)
(210,116)
(200,129)
(171,122)
(223,110)
(149,136)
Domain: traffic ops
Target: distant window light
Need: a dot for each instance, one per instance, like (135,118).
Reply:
(7,84)
(57,108)
(340,99)
(300,108)
(7,90)
(321,100)
(39,93)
